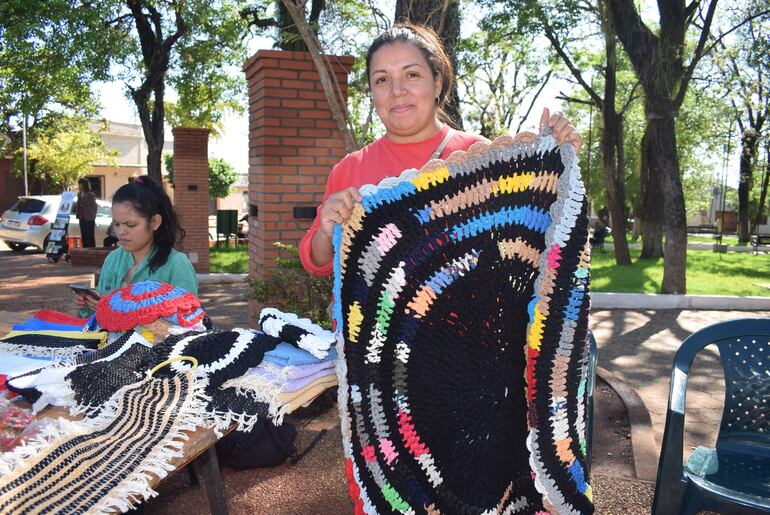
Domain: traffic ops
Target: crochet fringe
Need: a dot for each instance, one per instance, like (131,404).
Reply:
(262,390)
(136,487)
(60,353)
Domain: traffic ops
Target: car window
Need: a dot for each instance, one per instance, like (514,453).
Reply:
(28,205)
(103,211)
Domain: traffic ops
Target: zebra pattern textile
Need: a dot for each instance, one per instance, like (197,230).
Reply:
(462,296)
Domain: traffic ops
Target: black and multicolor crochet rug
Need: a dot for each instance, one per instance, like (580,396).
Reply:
(462,310)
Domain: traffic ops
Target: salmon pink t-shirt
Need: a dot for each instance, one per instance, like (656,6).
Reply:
(370,165)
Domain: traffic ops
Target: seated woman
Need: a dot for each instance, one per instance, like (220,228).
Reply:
(147,227)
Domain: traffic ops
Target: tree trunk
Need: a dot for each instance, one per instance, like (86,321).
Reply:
(763,192)
(749,144)
(443,16)
(650,211)
(156,51)
(152,122)
(325,70)
(614,188)
(612,148)
(665,161)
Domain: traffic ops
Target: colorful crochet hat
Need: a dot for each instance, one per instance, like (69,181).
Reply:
(462,309)
(145,301)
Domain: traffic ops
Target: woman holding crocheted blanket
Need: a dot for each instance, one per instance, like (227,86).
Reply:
(147,228)
(410,77)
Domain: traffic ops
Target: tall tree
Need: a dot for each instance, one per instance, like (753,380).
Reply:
(659,62)
(51,53)
(745,71)
(498,73)
(613,152)
(173,45)
(443,16)
(156,41)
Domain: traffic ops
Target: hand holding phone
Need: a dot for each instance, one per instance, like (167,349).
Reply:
(85,291)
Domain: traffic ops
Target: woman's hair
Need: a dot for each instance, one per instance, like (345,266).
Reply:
(149,199)
(425,40)
(85,183)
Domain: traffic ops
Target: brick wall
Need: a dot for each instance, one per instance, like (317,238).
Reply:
(191,193)
(293,144)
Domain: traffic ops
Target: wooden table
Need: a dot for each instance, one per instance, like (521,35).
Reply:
(199,449)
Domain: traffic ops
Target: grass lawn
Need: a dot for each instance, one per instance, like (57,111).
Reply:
(708,273)
(234,260)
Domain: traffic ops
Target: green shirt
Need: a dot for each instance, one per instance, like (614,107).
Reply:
(177,270)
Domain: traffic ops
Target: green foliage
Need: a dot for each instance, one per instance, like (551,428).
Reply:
(290,288)
(51,53)
(222,175)
(206,80)
(68,151)
(498,70)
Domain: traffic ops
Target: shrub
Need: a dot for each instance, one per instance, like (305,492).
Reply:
(290,288)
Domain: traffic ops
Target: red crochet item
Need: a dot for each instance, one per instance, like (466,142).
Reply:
(144,302)
(57,317)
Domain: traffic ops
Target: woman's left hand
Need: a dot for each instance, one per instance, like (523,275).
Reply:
(562,130)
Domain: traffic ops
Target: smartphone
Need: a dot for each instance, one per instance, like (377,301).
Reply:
(85,291)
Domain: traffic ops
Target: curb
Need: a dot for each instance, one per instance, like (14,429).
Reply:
(643,444)
(221,278)
(602,300)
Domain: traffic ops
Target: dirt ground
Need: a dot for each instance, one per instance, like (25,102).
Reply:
(317,483)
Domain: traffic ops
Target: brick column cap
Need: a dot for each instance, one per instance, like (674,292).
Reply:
(344,60)
(193,130)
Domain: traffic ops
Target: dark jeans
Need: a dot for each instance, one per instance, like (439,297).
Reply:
(87,232)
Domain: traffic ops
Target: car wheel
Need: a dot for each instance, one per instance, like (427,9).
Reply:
(16,247)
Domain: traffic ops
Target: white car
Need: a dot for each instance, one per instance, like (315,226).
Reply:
(28,222)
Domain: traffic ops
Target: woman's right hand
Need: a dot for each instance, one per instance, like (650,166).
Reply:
(85,302)
(337,209)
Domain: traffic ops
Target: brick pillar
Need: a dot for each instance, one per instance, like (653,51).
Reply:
(293,144)
(191,193)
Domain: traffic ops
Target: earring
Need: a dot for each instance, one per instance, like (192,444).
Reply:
(436,100)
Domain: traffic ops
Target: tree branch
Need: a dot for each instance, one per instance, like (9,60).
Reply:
(337,107)
(532,104)
(575,100)
(563,54)
(697,55)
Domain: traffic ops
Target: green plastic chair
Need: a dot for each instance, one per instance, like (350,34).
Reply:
(591,383)
(733,477)
(227,224)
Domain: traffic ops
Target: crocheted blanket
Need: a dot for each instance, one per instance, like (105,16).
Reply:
(462,308)
(104,464)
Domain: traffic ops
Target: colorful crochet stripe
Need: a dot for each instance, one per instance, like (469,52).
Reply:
(462,317)
(144,302)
